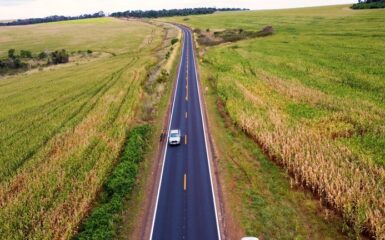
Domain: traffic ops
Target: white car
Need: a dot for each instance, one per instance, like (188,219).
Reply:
(174,137)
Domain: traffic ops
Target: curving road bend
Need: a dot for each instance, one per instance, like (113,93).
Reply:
(185,206)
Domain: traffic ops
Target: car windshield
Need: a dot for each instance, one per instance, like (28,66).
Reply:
(173,135)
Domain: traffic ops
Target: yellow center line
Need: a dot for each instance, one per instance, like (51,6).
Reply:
(185,182)
(185,139)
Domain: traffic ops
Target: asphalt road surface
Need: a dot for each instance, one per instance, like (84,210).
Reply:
(185,206)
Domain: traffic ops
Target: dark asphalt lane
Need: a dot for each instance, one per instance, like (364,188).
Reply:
(185,207)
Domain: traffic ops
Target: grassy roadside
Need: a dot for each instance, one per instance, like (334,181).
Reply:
(259,195)
(135,204)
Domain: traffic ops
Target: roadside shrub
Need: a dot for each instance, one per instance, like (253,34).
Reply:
(163,77)
(168,55)
(174,40)
(11,53)
(42,55)
(58,57)
(25,54)
(102,223)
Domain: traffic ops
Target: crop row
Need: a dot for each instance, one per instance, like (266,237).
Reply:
(308,132)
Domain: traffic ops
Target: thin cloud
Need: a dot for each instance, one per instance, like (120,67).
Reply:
(14,2)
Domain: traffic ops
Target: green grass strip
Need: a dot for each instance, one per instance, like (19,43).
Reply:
(104,218)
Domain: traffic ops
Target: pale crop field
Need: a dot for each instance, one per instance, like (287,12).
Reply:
(100,35)
(313,97)
(62,129)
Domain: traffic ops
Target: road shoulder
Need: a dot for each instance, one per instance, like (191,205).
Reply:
(140,207)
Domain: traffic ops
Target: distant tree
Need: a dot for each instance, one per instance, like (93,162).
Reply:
(89,51)
(25,54)
(13,61)
(11,53)
(369,4)
(54,18)
(171,12)
(58,57)
(174,40)
(42,55)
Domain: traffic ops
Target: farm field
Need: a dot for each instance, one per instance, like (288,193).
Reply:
(313,97)
(101,34)
(62,129)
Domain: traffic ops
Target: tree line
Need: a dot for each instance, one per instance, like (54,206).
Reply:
(172,12)
(369,4)
(54,18)
(17,62)
(134,13)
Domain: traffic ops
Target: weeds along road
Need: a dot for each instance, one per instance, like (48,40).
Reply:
(185,206)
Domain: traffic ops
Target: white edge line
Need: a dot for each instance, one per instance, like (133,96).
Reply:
(169,127)
(204,131)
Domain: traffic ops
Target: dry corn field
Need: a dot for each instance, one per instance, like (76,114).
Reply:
(62,129)
(313,97)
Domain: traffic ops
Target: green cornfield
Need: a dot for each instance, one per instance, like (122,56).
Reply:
(313,97)
(62,128)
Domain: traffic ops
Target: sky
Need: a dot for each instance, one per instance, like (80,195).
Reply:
(16,9)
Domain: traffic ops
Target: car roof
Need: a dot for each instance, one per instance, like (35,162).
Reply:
(175,131)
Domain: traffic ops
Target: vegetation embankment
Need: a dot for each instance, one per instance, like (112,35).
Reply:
(172,12)
(50,19)
(63,130)
(313,99)
(105,217)
(369,4)
(26,60)
(209,38)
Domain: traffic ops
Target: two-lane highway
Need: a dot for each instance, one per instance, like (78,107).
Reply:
(185,206)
